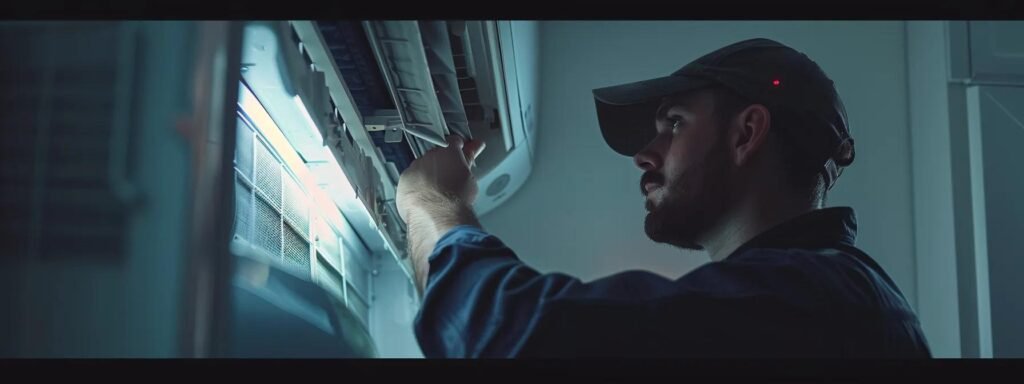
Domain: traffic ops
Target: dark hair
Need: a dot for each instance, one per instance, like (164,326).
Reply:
(801,174)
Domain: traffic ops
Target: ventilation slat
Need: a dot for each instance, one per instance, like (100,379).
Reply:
(243,209)
(327,242)
(296,249)
(60,105)
(329,278)
(296,209)
(244,149)
(357,275)
(267,228)
(267,175)
(359,305)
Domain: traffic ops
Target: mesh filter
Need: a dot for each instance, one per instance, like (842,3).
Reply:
(296,249)
(296,209)
(243,208)
(243,149)
(268,175)
(267,228)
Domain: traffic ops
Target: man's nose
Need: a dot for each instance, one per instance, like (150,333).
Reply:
(649,159)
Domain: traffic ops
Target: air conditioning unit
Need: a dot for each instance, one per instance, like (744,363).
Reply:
(473,78)
(381,93)
(331,112)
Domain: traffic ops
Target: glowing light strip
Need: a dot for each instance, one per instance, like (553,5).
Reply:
(265,124)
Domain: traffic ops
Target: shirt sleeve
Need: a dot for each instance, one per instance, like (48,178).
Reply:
(482,301)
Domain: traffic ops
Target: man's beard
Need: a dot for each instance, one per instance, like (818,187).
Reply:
(693,202)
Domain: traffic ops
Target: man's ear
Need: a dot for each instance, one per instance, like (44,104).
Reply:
(750,133)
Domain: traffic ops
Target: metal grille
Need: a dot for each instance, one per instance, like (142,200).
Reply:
(267,233)
(281,216)
(268,175)
(327,241)
(67,90)
(16,174)
(296,209)
(358,276)
(360,307)
(243,208)
(243,149)
(296,249)
(353,55)
(329,278)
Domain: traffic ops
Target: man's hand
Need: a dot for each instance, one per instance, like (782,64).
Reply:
(440,176)
(436,194)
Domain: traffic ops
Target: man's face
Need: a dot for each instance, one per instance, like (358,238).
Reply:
(687,171)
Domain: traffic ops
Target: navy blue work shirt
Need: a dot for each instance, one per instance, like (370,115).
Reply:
(800,289)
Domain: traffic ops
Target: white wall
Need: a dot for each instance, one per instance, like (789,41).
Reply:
(938,304)
(581,211)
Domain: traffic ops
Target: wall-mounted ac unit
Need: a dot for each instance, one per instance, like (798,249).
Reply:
(473,78)
(341,108)
(381,93)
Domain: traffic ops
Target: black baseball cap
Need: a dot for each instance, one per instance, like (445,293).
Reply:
(762,71)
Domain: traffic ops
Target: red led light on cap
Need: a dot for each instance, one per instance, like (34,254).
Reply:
(776,83)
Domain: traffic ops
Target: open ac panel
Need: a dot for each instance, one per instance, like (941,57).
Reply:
(381,93)
(331,113)
(412,83)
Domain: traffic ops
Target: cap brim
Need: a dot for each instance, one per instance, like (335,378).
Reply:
(626,112)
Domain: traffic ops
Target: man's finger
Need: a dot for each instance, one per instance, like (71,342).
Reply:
(472,150)
(454,141)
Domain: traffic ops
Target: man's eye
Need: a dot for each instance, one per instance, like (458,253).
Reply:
(675,123)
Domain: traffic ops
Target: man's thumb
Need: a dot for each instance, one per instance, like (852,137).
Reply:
(472,150)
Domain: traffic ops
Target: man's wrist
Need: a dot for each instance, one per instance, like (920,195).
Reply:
(430,218)
(440,213)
